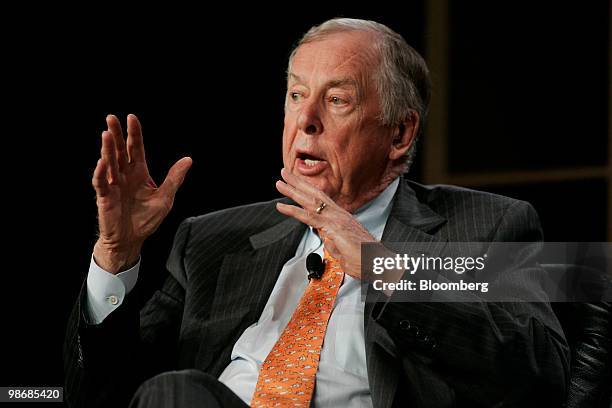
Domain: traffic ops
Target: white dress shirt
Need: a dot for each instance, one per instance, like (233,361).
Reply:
(342,378)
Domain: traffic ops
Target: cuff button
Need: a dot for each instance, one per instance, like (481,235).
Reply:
(413,331)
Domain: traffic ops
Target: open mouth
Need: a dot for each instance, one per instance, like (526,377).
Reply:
(309,159)
(309,165)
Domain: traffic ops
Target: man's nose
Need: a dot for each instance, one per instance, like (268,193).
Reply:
(309,119)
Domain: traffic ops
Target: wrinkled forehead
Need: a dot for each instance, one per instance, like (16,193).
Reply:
(340,57)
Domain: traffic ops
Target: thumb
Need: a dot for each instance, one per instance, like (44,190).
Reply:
(176,176)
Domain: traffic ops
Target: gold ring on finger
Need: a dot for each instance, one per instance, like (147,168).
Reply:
(320,207)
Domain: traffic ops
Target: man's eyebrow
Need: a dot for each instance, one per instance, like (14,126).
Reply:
(337,83)
(295,77)
(334,83)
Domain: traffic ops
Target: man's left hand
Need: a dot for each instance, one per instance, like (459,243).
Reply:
(341,233)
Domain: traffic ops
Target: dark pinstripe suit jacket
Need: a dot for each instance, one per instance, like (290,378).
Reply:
(223,267)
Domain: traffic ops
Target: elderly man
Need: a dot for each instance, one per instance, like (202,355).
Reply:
(238,322)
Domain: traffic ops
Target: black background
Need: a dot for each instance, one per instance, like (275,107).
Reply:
(209,84)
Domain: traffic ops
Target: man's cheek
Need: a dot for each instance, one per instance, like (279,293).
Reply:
(286,148)
(287,160)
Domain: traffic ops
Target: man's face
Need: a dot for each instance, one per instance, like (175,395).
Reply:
(332,134)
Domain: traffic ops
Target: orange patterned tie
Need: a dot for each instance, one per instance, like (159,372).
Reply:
(287,376)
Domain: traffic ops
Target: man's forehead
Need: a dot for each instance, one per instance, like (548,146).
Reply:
(340,59)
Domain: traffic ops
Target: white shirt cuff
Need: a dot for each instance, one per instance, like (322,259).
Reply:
(105,291)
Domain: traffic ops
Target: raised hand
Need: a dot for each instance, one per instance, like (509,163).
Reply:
(342,234)
(130,205)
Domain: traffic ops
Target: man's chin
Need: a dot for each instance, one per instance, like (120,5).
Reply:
(321,183)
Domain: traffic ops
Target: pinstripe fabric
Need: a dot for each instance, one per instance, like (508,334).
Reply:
(223,267)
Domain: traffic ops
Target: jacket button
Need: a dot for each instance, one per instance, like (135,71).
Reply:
(404,324)
(413,331)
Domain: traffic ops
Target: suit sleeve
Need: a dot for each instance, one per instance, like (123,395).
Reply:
(105,363)
(488,352)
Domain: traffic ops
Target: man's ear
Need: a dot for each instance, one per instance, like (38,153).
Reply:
(404,135)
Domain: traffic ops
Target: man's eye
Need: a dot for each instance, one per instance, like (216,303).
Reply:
(295,96)
(337,101)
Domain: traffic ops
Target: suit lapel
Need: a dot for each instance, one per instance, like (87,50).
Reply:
(410,221)
(244,284)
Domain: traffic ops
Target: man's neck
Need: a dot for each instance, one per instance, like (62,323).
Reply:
(352,204)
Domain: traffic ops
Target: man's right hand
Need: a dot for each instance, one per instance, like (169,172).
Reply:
(130,205)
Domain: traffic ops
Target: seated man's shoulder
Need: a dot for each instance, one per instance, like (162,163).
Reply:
(442,194)
(454,202)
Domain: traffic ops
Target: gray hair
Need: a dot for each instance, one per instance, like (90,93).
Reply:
(402,77)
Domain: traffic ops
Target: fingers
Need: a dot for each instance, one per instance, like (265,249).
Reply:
(114,126)
(300,214)
(307,196)
(176,176)
(306,201)
(304,186)
(109,156)
(99,180)
(315,221)
(302,192)
(135,145)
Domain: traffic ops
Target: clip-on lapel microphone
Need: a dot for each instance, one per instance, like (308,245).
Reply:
(315,266)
